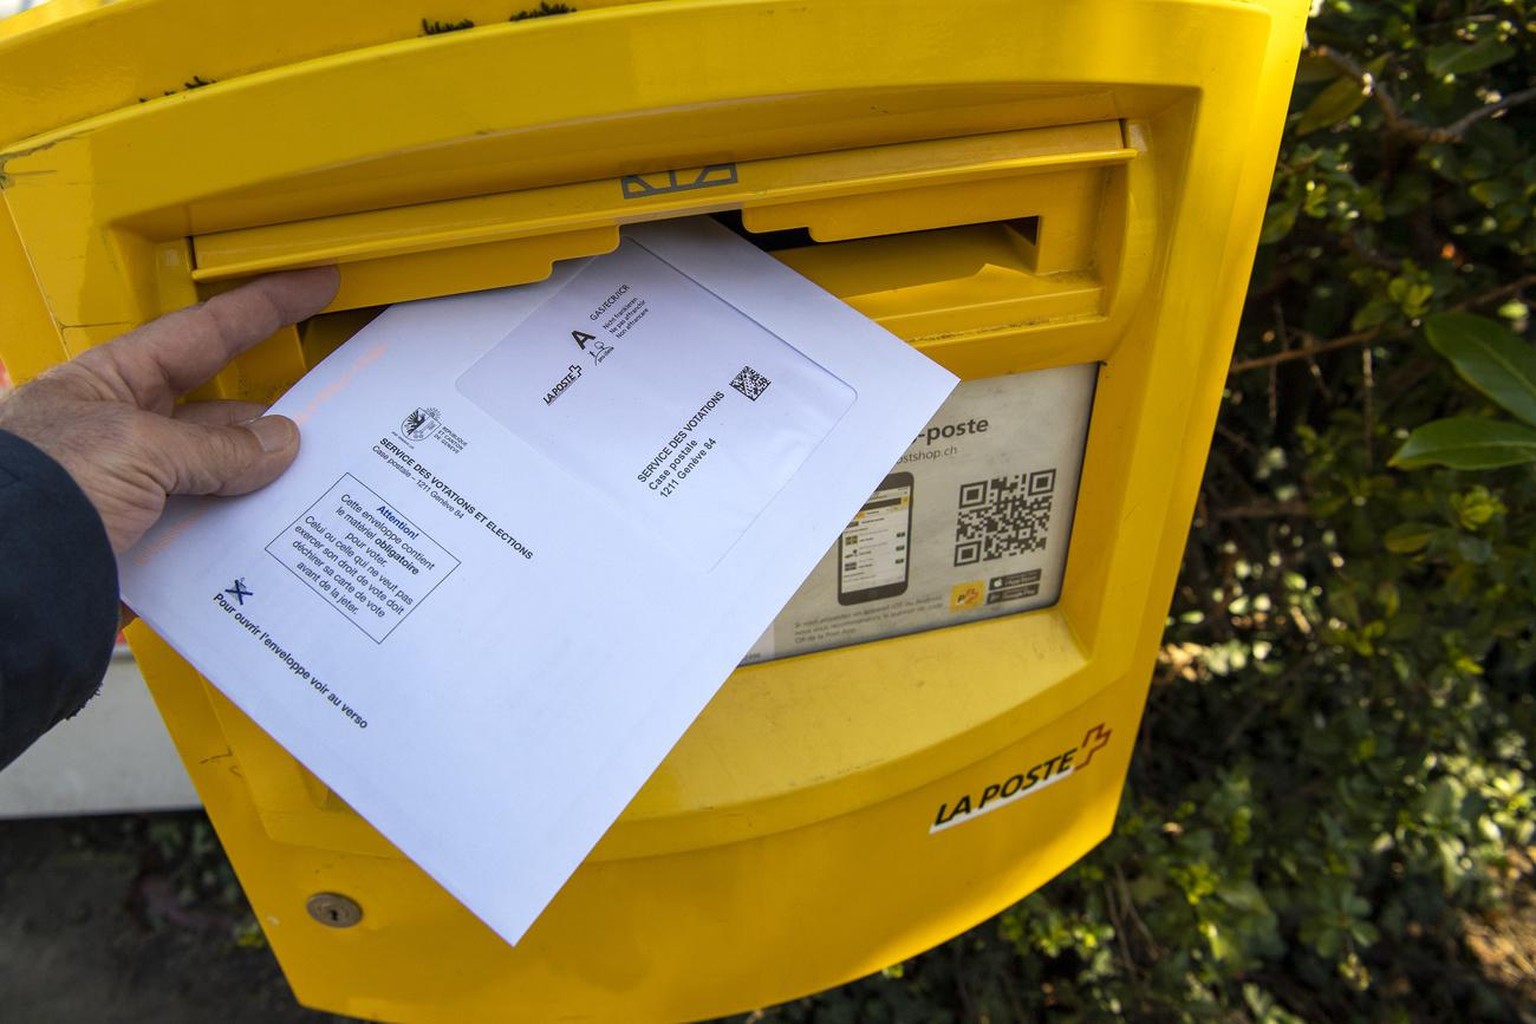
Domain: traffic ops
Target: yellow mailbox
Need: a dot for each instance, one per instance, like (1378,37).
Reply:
(1059,202)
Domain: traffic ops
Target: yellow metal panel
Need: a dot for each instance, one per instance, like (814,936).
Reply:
(139,172)
(23,313)
(821,191)
(937,284)
(67,60)
(605,949)
(1010,184)
(420,275)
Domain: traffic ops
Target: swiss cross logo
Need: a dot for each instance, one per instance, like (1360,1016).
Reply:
(1094,740)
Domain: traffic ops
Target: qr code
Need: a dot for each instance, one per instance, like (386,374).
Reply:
(1006,515)
(750,383)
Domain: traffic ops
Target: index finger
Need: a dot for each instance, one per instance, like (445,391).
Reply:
(172,355)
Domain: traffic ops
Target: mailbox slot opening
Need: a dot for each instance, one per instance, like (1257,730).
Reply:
(923,285)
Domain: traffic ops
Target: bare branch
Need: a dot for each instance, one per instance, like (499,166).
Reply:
(1455,131)
(1266,510)
(1307,351)
(1516,286)
(1371,334)
(1128,905)
(1368,428)
(1405,126)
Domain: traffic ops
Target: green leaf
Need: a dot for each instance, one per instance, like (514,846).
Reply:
(1464,58)
(1332,105)
(1406,538)
(1312,69)
(1465,443)
(1489,357)
(1279,219)
(1497,190)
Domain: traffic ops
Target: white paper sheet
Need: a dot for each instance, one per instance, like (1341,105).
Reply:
(529,534)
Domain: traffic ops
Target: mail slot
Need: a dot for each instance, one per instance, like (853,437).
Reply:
(1058,203)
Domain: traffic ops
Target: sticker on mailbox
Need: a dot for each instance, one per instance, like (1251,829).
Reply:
(971,523)
(1021,781)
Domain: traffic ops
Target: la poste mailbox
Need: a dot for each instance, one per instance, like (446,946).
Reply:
(1058,202)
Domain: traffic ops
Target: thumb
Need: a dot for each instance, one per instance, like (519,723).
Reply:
(228,460)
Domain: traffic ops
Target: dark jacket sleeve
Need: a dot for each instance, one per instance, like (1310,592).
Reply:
(58,596)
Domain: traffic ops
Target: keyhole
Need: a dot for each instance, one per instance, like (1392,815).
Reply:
(334,910)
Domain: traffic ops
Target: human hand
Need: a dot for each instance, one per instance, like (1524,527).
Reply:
(109,416)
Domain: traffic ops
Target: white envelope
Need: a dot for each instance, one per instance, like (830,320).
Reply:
(529,534)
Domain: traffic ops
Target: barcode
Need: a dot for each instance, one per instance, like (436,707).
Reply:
(1005,515)
(750,383)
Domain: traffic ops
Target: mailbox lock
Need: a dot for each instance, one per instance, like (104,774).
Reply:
(334,910)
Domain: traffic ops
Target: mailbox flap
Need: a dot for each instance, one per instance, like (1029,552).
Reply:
(1048,181)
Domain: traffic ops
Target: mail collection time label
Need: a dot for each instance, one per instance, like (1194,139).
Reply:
(363,557)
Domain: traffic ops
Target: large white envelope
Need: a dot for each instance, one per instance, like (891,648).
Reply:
(529,534)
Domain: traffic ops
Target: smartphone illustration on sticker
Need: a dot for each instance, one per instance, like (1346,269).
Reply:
(873,553)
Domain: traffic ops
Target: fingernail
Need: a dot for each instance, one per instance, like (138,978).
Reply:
(273,433)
